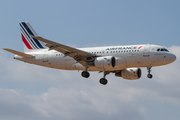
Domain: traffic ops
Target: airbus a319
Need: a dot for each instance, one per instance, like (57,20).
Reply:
(123,61)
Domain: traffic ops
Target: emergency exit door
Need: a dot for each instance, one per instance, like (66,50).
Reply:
(45,57)
(146,51)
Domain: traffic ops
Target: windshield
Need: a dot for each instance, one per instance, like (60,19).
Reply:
(162,49)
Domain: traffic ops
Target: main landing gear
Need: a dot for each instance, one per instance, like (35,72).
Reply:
(149,71)
(85,73)
(104,80)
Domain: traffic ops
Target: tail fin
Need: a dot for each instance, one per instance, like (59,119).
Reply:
(30,43)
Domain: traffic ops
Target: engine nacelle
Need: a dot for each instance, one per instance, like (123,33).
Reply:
(129,73)
(120,62)
(105,62)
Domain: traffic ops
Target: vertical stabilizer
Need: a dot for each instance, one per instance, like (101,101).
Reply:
(30,43)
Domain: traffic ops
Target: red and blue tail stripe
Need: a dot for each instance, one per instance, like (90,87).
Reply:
(26,42)
(27,34)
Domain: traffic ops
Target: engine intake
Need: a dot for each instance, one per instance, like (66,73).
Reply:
(105,62)
(129,73)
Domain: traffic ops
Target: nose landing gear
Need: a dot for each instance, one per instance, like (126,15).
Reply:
(150,76)
(149,71)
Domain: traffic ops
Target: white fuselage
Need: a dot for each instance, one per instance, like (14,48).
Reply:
(126,57)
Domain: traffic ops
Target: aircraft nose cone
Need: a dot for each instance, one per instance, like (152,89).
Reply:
(173,57)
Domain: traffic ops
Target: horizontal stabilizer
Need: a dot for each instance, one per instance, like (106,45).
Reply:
(19,53)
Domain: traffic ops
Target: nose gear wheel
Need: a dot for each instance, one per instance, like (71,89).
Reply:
(150,76)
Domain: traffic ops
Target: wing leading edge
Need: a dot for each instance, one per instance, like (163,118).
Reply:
(19,53)
(79,55)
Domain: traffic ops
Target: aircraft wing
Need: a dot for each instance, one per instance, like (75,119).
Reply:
(77,54)
(19,53)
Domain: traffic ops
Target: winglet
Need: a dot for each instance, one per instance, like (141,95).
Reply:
(19,53)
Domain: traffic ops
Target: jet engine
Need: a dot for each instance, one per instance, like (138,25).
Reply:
(129,73)
(105,62)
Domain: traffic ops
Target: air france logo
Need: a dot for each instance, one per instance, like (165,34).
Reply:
(140,47)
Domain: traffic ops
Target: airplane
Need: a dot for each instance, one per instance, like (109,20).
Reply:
(123,61)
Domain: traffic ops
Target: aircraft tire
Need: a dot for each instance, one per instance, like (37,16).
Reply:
(85,74)
(150,76)
(103,81)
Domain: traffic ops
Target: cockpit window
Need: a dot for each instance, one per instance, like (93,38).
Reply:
(166,50)
(162,49)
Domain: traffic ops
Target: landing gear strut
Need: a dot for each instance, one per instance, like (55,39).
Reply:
(104,80)
(149,71)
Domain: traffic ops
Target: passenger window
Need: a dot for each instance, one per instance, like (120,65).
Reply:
(158,49)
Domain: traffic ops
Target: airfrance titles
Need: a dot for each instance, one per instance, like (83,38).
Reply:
(122,48)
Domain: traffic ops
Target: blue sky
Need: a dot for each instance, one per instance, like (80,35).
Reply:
(32,92)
